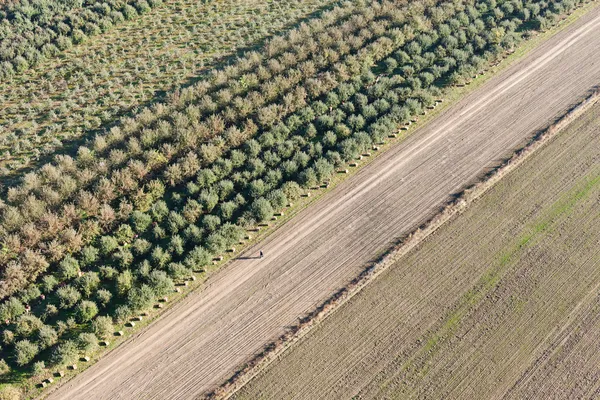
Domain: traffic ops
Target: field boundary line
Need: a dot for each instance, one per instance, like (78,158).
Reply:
(406,244)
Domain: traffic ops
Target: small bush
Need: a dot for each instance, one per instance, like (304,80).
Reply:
(161,284)
(39,367)
(140,298)
(178,271)
(103,297)
(47,336)
(10,392)
(49,282)
(4,368)
(124,282)
(27,325)
(65,353)
(87,283)
(122,314)
(68,268)
(25,351)
(262,209)
(88,342)
(103,327)
(11,309)
(8,336)
(68,296)
(49,311)
(86,310)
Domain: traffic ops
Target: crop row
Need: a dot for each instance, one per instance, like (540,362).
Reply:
(32,32)
(92,84)
(204,208)
(121,162)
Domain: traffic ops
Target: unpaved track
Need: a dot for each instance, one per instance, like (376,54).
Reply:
(202,340)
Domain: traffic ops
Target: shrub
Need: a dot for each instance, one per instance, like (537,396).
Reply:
(8,336)
(49,282)
(261,209)
(159,210)
(49,311)
(27,325)
(31,293)
(178,271)
(11,309)
(87,283)
(89,255)
(291,190)
(87,342)
(25,351)
(211,222)
(39,367)
(103,327)
(161,284)
(107,273)
(47,336)
(10,392)
(124,234)
(86,310)
(68,268)
(140,298)
(108,244)
(103,297)
(124,282)
(232,233)
(141,246)
(198,257)
(160,257)
(68,296)
(65,353)
(277,199)
(216,243)
(122,314)
(141,221)
(4,368)
(176,245)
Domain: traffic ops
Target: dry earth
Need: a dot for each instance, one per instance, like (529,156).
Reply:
(202,340)
(502,302)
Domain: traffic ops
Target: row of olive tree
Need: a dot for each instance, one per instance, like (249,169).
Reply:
(34,31)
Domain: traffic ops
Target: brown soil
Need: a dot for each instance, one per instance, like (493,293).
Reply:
(204,339)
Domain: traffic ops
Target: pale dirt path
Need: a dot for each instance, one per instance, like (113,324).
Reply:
(202,340)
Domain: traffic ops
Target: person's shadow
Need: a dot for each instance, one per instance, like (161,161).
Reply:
(248,258)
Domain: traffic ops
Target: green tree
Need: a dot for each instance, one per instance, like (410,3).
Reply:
(261,209)
(87,342)
(67,296)
(47,336)
(25,351)
(86,310)
(65,353)
(103,327)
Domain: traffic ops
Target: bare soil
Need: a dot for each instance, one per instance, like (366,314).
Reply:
(500,303)
(204,339)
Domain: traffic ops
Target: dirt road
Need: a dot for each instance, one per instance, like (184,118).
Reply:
(202,340)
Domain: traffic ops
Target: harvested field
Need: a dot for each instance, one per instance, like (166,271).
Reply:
(185,353)
(500,303)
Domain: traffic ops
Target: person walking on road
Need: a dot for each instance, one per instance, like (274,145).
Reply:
(261,254)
